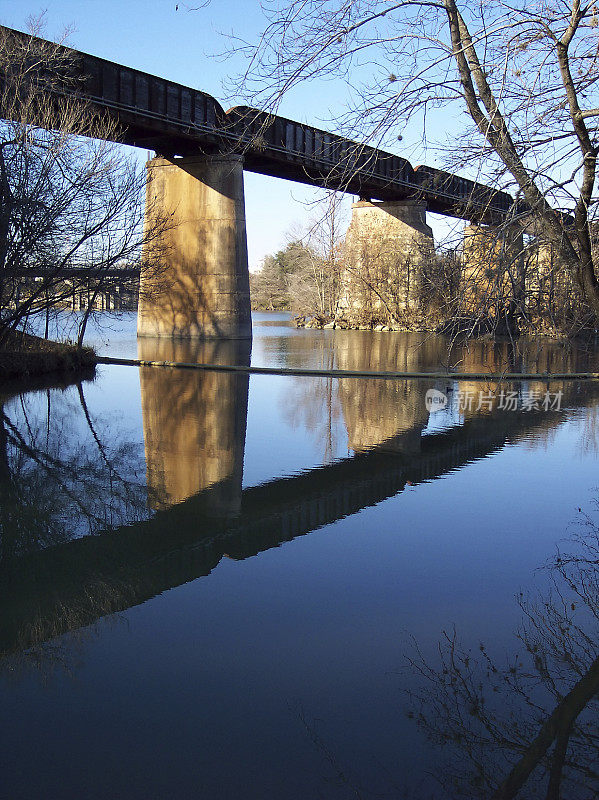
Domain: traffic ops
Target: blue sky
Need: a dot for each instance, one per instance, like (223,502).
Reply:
(183,46)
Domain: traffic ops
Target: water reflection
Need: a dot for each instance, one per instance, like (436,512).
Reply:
(58,485)
(63,473)
(385,412)
(526,727)
(392,413)
(424,352)
(194,430)
(65,477)
(194,422)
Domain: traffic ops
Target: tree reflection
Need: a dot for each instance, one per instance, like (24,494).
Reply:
(61,656)
(63,476)
(528,728)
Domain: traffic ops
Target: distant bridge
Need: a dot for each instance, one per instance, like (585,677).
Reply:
(124,274)
(114,274)
(114,288)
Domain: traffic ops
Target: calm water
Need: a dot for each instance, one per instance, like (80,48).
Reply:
(222,586)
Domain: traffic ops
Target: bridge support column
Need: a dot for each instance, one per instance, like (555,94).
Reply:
(197,281)
(493,271)
(388,244)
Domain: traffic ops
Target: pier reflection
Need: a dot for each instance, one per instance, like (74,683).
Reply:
(194,422)
(389,414)
(194,429)
(63,585)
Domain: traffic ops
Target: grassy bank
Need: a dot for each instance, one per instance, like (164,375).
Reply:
(25,356)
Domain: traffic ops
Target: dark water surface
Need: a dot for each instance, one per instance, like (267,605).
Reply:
(223,586)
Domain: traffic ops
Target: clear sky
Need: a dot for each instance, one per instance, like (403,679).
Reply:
(183,46)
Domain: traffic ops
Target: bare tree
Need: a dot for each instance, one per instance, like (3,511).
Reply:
(71,202)
(314,281)
(313,284)
(525,74)
(304,275)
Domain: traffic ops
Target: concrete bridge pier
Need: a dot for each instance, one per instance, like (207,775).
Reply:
(493,269)
(388,244)
(502,245)
(196,281)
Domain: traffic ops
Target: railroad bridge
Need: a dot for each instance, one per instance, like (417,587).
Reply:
(198,180)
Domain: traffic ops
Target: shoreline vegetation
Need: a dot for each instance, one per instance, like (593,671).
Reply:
(379,282)
(332,322)
(25,356)
(468,327)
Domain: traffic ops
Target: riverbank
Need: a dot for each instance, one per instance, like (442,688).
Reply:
(26,356)
(416,324)
(464,327)
(328,322)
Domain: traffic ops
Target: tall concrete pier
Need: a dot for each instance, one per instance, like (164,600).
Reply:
(388,243)
(201,288)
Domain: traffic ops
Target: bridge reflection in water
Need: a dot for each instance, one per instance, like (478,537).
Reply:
(194,430)
(194,422)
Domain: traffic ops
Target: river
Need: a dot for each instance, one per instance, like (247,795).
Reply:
(217,585)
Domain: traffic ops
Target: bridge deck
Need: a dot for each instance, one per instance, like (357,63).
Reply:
(177,120)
